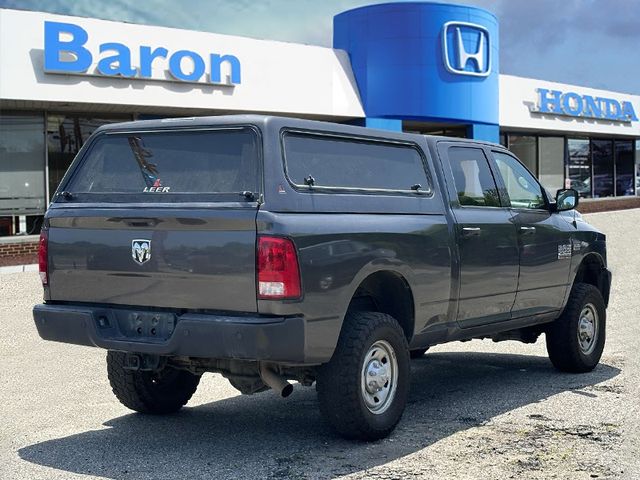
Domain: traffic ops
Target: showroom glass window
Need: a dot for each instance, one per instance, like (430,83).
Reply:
(602,155)
(625,166)
(66,134)
(525,147)
(551,163)
(579,167)
(637,167)
(22,162)
(544,156)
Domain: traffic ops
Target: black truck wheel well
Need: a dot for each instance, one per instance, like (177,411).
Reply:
(386,292)
(592,271)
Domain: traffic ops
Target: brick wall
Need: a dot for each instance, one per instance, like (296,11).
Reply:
(608,204)
(18,250)
(12,249)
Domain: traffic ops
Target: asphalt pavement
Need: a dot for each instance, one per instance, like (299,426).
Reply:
(476,410)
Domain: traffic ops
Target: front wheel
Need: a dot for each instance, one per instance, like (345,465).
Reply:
(163,391)
(576,339)
(363,390)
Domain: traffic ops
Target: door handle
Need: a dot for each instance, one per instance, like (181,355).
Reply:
(471,231)
(527,230)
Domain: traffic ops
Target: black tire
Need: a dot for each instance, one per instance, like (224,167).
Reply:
(419,353)
(338,383)
(161,392)
(563,345)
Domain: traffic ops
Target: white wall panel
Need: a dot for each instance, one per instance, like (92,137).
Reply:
(518,94)
(276,76)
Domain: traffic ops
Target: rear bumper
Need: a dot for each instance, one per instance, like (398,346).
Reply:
(195,335)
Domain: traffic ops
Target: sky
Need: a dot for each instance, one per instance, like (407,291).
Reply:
(593,43)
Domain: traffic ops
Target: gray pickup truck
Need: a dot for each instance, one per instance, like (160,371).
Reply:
(272,249)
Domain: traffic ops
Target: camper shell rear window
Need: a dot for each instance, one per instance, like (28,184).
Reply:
(179,165)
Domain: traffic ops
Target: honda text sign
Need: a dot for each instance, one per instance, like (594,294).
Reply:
(573,104)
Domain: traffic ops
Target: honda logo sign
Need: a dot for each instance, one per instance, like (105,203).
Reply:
(466,49)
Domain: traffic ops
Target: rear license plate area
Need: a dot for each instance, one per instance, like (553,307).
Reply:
(145,326)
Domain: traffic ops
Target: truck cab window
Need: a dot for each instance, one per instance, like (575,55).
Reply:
(474,182)
(522,187)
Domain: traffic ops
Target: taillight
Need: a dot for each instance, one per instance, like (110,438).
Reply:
(43,256)
(278,272)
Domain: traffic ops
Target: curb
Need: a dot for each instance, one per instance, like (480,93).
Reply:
(19,268)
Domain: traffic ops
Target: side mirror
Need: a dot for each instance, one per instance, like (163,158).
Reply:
(566,199)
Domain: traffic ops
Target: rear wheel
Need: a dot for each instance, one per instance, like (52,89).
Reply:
(163,391)
(363,390)
(576,339)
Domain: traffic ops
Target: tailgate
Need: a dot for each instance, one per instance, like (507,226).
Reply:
(158,257)
(160,218)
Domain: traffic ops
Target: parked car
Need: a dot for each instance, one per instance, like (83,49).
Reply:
(272,249)
(624,184)
(583,187)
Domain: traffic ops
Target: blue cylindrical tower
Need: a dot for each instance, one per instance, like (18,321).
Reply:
(423,61)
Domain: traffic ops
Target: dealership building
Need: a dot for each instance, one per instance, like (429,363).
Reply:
(426,67)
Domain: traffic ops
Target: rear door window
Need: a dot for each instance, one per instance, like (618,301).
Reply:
(332,162)
(211,162)
(472,176)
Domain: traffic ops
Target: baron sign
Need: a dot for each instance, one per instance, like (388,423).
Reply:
(573,104)
(65,51)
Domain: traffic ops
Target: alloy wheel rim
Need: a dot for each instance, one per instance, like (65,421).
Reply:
(379,377)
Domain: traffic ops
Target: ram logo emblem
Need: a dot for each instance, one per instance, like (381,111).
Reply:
(141,250)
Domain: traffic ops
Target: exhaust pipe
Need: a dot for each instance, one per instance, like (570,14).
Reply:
(275,381)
